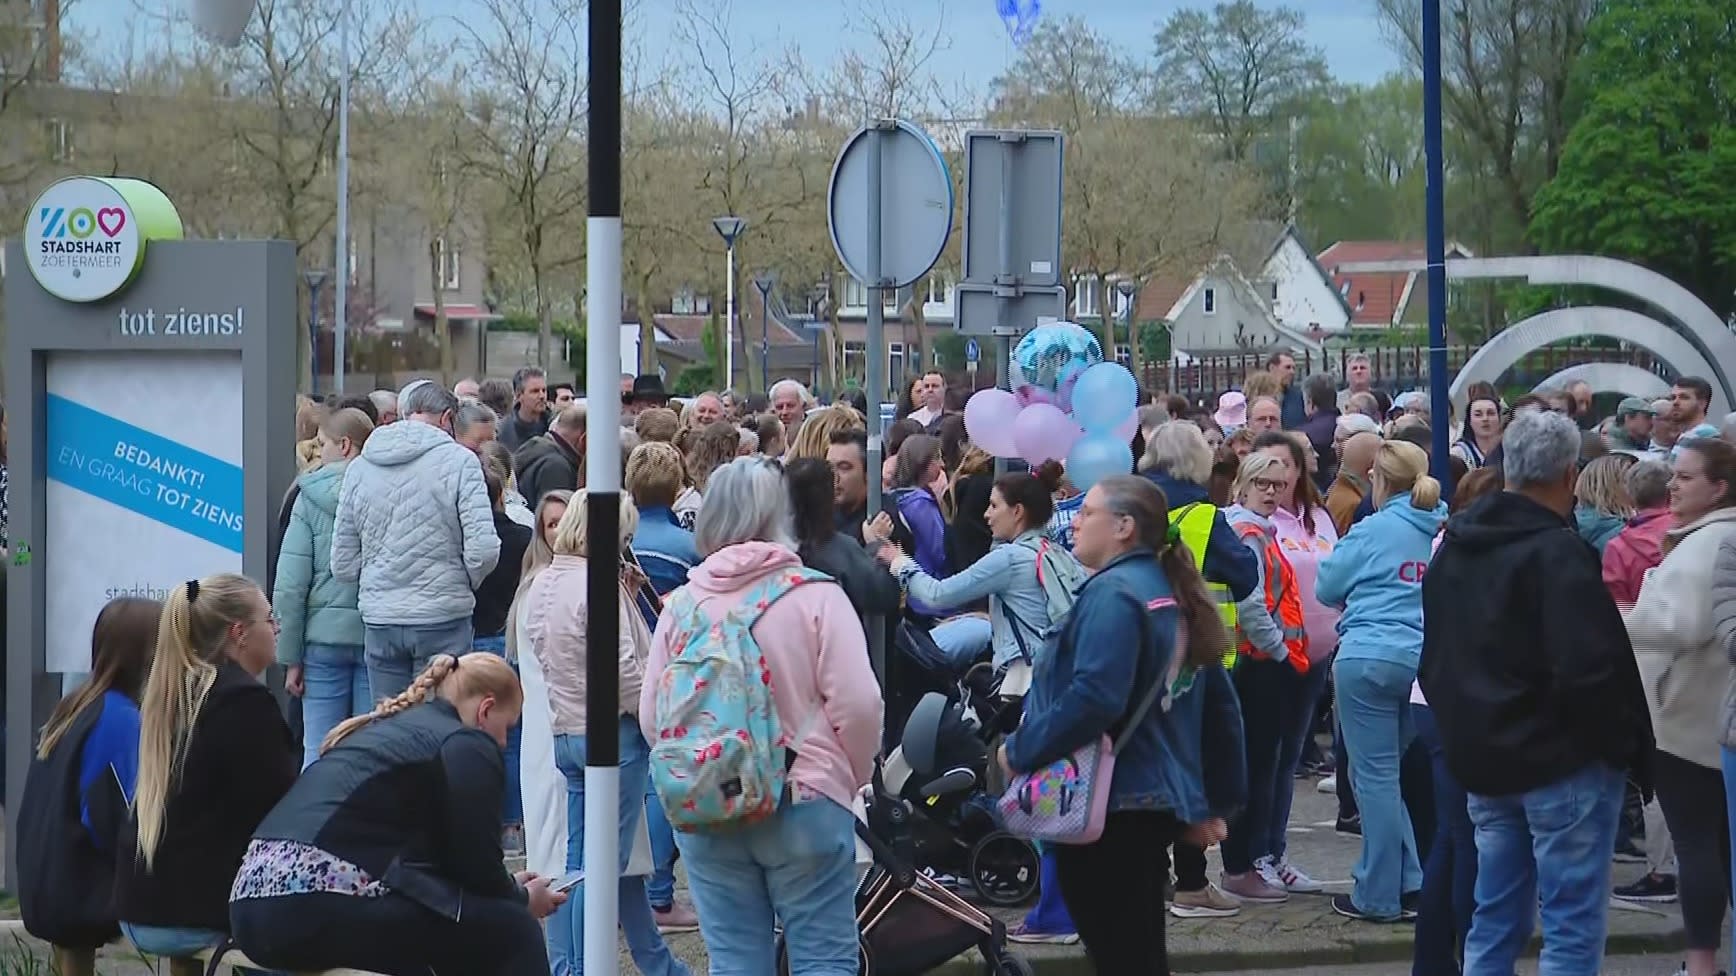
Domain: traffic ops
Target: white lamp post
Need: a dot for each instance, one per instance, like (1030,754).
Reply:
(729,228)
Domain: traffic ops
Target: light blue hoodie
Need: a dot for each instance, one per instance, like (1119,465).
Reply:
(1376,574)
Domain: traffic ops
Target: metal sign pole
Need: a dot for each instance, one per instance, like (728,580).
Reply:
(876,313)
(1006,281)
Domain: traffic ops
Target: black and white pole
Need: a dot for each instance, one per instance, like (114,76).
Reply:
(603,490)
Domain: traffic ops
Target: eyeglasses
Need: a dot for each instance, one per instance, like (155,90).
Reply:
(1267,484)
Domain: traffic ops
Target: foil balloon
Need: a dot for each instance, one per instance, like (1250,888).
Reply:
(1050,355)
(1020,18)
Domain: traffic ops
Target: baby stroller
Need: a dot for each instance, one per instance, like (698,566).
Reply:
(908,922)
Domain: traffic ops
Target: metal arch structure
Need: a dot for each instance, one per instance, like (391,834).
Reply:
(1623,378)
(1698,323)
(1513,343)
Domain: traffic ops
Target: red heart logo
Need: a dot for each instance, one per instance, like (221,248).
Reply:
(111,215)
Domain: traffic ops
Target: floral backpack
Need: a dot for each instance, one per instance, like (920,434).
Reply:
(721,757)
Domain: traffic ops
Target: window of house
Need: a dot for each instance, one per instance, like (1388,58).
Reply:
(447,259)
(1121,301)
(937,289)
(57,135)
(895,362)
(1210,300)
(1124,355)
(855,358)
(855,294)
(1274,291)
(684,302)
(1085,296)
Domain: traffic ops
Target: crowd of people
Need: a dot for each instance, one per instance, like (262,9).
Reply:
(1281,569)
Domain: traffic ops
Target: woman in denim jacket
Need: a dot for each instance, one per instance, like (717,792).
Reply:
(1085,687)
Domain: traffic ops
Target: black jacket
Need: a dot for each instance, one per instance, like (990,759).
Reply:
(494,596)
(1526,662)
(515,432)
(869,586)
(413,800)
(65,881)
(545,464)
(239,763)
(968,537)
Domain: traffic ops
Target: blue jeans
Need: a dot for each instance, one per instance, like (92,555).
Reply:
(1450,872)
(1262,686)
(1374,709)
(1551,845)
(335,687)
(1296,714)
(566,928)
(660,887)
(177,943)
(963,640)
(1730,812)
(512,808)
(397,654)
(798,868)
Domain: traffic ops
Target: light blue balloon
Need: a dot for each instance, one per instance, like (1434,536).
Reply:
(1103,397)
(1098,456)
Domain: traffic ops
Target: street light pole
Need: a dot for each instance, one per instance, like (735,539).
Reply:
(315,277)
(341,310)
(729,228)
(764,282)
(1129,291)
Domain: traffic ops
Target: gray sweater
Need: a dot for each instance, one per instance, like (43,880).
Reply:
(1724,624)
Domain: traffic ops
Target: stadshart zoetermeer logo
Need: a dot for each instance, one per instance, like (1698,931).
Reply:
(83,240)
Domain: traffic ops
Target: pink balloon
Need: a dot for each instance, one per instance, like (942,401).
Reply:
(1127,428)
(988,420)
(1043,433)
(1028,395)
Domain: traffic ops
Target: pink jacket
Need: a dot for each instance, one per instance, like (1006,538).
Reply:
(1634,550)
(556,610)
(814,647)
(1305,553)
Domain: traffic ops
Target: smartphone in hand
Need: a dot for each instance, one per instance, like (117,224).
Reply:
(567,882)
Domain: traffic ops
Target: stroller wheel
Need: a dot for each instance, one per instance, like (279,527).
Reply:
(1008,965)
(864,959)
(1003,869)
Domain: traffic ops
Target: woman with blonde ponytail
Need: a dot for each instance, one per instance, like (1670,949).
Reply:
(214,756)
(543,787)
(385,855)
(1376,574)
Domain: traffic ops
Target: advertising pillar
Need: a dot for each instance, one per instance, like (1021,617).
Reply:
(150,391)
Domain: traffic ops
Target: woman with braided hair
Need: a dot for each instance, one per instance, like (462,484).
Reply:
(386,856)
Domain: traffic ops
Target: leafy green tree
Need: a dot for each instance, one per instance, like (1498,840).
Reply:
(1360,162)
(1647,172)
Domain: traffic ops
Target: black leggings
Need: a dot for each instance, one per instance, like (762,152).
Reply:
(1692,798)
(1114,891)
(391,935)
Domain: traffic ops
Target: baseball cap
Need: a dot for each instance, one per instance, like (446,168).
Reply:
(1632,405)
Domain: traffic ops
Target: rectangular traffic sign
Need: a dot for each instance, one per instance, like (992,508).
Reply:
(1026,165)
(977,309)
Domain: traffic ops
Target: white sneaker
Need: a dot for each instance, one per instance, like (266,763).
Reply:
(1268,873)
(1327,784)
(1294,880)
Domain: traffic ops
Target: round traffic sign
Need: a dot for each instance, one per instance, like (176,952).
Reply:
(916,203)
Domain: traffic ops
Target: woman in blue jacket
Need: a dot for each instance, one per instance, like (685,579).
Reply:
(1089,684)
(321,642)
(1376,575)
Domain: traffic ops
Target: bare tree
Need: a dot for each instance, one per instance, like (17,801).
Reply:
(432,133)
(1506,65)
(527,59)
(31,56)
(1238,69)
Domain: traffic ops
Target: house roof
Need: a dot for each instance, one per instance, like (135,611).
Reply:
(1225,266)
(1290,233)
(691,328)
(1377,298)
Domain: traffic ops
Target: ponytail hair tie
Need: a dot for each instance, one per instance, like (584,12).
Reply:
(1173,535)
(192,590)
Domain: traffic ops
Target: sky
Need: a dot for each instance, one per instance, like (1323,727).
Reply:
(1347,31)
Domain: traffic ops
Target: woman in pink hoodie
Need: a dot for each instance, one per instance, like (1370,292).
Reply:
(797,867)
(1305,533)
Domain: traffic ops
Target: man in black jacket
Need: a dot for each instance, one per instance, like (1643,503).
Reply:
(553,460)
(1528,669)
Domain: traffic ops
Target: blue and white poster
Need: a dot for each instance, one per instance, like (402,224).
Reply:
(144,488)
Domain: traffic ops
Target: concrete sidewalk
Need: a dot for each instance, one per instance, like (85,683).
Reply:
(1302,932)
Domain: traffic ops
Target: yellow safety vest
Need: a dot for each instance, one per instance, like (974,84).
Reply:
(1195,521)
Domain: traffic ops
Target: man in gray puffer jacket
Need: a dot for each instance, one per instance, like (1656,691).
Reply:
(414,528)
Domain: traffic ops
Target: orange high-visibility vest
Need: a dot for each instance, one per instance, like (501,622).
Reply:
(1282,598)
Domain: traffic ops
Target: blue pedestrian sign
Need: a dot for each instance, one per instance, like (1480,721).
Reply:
(973,353)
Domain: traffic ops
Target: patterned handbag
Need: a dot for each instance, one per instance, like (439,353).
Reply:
(1067,801)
